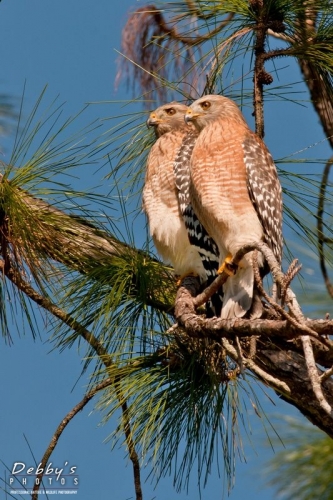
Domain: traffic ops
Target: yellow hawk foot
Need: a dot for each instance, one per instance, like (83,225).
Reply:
(186,275)
(228,266)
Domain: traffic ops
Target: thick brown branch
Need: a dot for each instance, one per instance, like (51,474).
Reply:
(259,70)
(323,353)
(319,83)
(290,367)
(216,328)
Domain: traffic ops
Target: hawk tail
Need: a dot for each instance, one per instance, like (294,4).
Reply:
(238,291)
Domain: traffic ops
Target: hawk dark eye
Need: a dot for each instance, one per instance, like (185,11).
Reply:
(170,111)
(205,105)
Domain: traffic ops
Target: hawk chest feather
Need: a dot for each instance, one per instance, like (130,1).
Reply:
(219,190)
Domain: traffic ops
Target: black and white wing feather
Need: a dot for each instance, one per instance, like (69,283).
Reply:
(265,192)
(197,234)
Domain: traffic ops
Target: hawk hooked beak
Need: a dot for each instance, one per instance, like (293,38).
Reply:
(153,120)
(189,115)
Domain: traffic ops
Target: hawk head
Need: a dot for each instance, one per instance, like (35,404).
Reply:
(210,108)
(168,117)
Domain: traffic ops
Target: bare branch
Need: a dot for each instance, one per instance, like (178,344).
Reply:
(105,357)
(314,375)
(279,36)
(327,374)
(61,427)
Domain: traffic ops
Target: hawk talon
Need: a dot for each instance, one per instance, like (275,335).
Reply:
(183,276)
(228,266)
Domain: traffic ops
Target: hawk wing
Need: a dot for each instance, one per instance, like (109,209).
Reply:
(265,191)
(197,234)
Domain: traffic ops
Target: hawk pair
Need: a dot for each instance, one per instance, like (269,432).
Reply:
(211,187)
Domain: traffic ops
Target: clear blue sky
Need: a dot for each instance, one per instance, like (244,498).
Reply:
(69,45)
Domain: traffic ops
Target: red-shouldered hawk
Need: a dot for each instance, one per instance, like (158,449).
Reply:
(176,231)
(235,192)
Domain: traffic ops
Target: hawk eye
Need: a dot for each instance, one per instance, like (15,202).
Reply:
(170,111)
(205,105)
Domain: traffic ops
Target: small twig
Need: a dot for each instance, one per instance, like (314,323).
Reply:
(240,354)
(253,347)
(130,443)
(327,374)
(309,357)
(280,36)
(202,298)
(61,427)
(278,53)
(273,264)
(289,276)
(296,317)
(294,307)
(250,364)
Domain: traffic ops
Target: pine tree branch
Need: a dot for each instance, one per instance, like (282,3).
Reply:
(260,75)
(319,82)
(216,328)
(320,226)
(320,86)
(80,246)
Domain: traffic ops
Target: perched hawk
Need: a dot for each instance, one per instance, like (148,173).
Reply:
(178,235)
(235,192)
